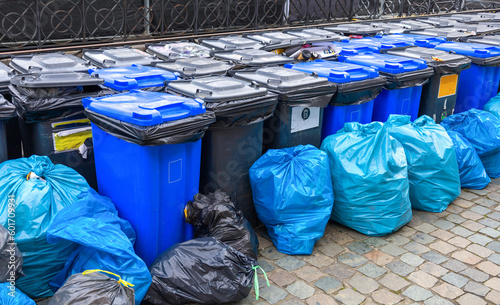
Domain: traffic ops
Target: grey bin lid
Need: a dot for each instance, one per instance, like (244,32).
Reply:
(411,24)
(317,35)
(428,54)
(118,57)
(282,78)
(196,66)
(450,33)
(478,28)
(390,28)
(229,43)
(68,79)
(490,16)
(493,40)
(439,21)
(468,18)
(354,28)
(217,89)
(276,40)
(49,63)
(176,50)
(6,73)
(254,57)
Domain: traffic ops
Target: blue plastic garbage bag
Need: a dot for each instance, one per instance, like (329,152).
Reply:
(482,129)
(472,172)
(106,242)
(40,190)
(370,179)
(9,295)
(293,197)
(432,162)
(493,106)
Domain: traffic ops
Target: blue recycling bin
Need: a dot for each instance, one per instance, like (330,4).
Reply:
(380,42)
(403,90)
(147,154)
(357,87)
(478,84)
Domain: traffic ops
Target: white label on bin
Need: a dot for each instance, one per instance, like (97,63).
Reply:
(175,171)
(304,118)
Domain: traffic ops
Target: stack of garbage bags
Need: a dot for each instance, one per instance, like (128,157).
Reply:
(493,106)
(218,266)
(293,196)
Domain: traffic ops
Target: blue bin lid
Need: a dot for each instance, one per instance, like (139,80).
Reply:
(145,108)
(470,49)
(360,47)
(336,72)
(390,64)
(384,42)
(133,77)
(420,40)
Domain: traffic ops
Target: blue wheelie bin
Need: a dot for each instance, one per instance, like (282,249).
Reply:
(357,87)
(403,90)
(147,153)
(478,84)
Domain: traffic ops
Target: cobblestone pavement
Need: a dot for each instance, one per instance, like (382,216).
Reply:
(444,258)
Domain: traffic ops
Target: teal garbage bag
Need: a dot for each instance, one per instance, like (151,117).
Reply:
(482,130)
(370,179)
(493,106)
(293,196)
(432,162)
(10,295)
(106,242)
(40,190)
(472,172)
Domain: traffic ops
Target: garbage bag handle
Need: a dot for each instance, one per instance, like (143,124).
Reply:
(123,282)
(256,280)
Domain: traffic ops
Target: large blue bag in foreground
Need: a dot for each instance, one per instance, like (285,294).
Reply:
(472,172)
(482,130)
(40,190)
(432,162)
(13,297)
(106,242)
(493,106)
(293,197)
(370,179)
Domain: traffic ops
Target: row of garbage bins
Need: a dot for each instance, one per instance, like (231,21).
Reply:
(229,100)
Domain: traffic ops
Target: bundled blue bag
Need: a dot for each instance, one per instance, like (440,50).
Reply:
(482,130)
(432,162)
(293,197)
(493,106)
(39,190)
(370,179)
(472,172)
(13,297)
(106,242)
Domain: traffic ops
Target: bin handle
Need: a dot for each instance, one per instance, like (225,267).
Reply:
(256,280)
(123,282)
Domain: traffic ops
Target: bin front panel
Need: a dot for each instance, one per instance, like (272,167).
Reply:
(476,87)
(3,141)
(335,116)
(398,101)
(439,96)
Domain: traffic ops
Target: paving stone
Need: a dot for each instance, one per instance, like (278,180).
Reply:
(271,253)
(416,248)
(455,265)
(425,216)
(480,210)
(477,289)
(463,203)
(397,239)
(375,241)
(493,296)
(301,290)
(493,283)
(470,299)
(495,246)
(412,259)
(472,225)
(359,247)
(417,293)
(282,278)
(454,209)
(250,299)
(352,259)
(436,300)
(264,242)
(400,268)
(442,247)
(363,284)
(480,250)
(444,224)
(406,231)
(349,297)
(265,265)
(459,242)
(490,232)
(423,238)
(433,269)
(489,223)
(486,202)
(442,234)
(471,215)
(292,301)
(393,250)
(495,258)
(378,257)
(423,279)
(455,279)
(490,268)
(372,270)
(273,294)
(309,273)
(455,218)
(495,215)
(466,257)
(340,271)
(318,260)
(434,257)
(289,263)
(329,248)
(448,291)
(329,284)
(480,239)
(467,195)
(384,296)
(426,228)
(356,235)
(394,282)
(342,238)
(321,299)
(479,192)
(475,274)
(458,230)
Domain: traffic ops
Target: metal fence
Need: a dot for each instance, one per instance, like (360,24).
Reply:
(45,23)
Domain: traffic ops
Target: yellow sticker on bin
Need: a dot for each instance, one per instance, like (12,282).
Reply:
(448,85)
(71,139)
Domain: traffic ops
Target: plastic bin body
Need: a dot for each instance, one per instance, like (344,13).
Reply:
(3,141)
(397,101)
(336,116)
(150,186)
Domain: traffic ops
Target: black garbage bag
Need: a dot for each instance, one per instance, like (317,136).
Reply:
(202,270)
(215,215)
(93,287)
(11,259)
